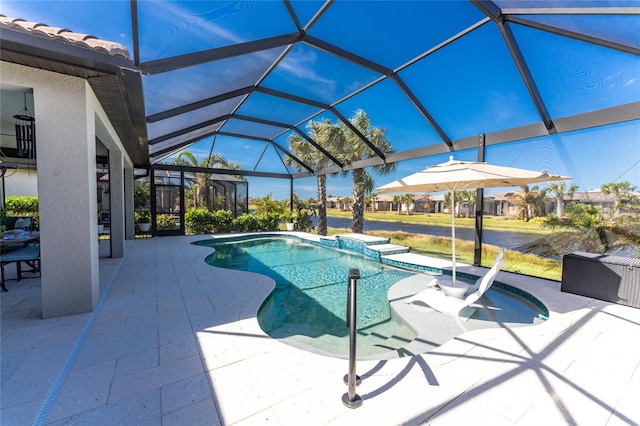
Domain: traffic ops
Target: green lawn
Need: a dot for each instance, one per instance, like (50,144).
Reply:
(444,219)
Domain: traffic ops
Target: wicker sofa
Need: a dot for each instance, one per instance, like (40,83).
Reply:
(611,278)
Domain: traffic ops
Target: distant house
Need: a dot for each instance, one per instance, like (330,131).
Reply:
(594,197)
(384,203)
(437,205)
(498,204)
(506,203)
(421,203)
(502,204)
(342,203)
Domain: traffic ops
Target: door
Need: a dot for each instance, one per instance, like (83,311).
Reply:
(167,207)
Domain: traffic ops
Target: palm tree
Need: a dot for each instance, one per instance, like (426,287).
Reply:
(305,210)
(588,226)
(560,193)
(349,148)
(447,201)
(268,204)
(397,199)
(621,192)
(467,197)
(202,188)
(407,200)
(344,203)
(186,158)
(374,200)
(368,201)
(315,159)
(368,185)
(531,201)
(585,228)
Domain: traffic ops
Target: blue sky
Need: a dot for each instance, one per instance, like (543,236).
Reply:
(469,87)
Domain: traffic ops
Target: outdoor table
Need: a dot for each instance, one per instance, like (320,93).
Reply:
(17,238)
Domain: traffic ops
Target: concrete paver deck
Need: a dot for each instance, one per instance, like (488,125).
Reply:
(176,341)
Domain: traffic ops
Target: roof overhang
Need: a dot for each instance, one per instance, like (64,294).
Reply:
(114,79)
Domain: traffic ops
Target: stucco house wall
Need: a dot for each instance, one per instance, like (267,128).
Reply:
(69,119)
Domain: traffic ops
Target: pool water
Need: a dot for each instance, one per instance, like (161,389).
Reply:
(311,282)
(307,308)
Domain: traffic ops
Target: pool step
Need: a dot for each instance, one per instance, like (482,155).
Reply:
(363,243)
(392,346)
(367,240)
(386,249)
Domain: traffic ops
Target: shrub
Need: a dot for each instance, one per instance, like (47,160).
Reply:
(198,220)
(268,205)
(268,221)
(165,222)
(221,221)
(141,196)
(304,221)
(246,223)
(21,204)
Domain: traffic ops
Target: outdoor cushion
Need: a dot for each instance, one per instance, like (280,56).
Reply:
(18,222)
(22,222)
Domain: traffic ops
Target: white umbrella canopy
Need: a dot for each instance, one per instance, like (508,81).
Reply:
(456,175)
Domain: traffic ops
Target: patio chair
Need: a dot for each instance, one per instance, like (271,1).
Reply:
(453,306)
(26,223)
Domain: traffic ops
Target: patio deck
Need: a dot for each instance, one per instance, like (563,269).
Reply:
(175,341)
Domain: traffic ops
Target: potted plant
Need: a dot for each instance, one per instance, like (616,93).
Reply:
(143,219)
(288,220)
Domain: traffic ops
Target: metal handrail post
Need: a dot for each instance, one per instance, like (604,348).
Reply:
(351,398)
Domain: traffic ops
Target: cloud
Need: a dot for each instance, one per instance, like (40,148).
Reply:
(301,64)
(187,18)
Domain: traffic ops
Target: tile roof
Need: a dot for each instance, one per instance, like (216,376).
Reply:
(64,35)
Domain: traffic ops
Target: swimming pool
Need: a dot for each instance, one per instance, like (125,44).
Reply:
(307,308)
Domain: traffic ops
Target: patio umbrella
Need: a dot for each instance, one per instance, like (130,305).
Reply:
(455,175)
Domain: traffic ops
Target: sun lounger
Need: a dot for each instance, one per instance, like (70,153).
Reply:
(437,299)
(461,289)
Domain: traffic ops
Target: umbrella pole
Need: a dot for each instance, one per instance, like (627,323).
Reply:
(453,232)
